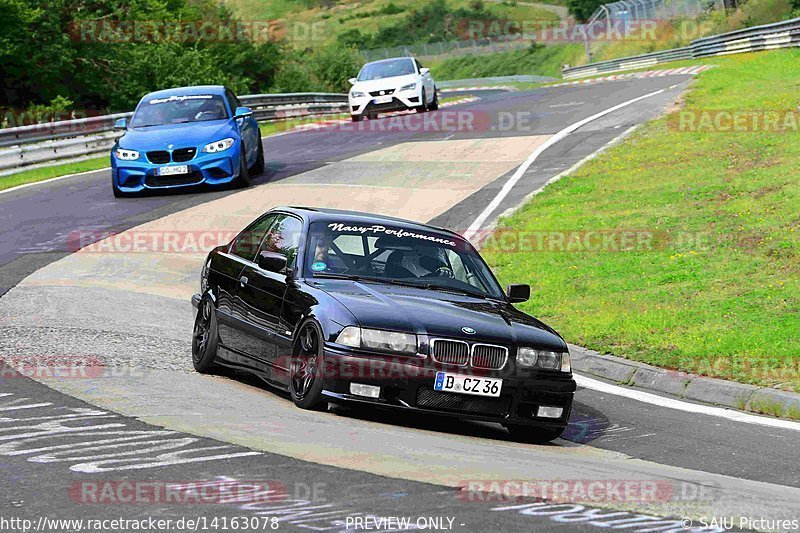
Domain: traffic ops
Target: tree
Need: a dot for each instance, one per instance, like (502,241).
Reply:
(583,9)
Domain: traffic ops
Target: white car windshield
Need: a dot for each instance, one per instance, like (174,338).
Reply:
(386,69)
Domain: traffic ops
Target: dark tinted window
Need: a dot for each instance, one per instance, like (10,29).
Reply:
(233,100)
(393,254)
(246,243)
(284,237)
(179,109)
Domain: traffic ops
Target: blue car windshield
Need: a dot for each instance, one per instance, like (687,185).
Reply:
(395,255)
(179,109)
(386,69)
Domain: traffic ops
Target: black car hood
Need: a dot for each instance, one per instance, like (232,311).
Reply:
(439,314)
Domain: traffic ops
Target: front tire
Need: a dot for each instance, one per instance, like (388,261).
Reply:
(534,435)
(205,338)
(243,179)
(258,167)
(356,118)
(424,106)
(306,372)
(435,104)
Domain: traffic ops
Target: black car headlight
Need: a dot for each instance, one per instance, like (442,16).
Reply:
(533,358)
(378,340)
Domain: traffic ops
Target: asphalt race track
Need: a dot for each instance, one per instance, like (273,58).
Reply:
(144,416)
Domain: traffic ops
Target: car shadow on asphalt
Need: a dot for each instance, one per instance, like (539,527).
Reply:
(585,423)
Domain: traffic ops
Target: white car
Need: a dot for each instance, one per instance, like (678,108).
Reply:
(395,84)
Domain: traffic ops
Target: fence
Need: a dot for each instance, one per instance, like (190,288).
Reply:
(783,34)
(636,10)
(55,141)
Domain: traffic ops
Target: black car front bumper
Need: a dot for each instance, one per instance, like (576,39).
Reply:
(407,383)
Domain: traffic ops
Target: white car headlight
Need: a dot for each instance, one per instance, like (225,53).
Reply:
(218,146)
(378,340)
(530,358)
(527,357)
(409,87)
(127,155)
(357,94)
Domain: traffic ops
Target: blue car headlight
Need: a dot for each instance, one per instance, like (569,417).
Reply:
(127,155)
(218,146)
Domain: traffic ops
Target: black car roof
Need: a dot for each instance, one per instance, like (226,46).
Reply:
(314,214)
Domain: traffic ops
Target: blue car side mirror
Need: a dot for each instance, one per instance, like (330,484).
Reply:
(243,112)
(121,124)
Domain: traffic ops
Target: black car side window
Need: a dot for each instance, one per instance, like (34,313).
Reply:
(233,100)
(246,243)
(284,238)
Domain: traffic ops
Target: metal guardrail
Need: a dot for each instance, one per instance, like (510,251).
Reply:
(785,34)
(36,144)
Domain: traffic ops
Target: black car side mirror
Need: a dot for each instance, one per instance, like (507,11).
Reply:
(272,261)
(518,293)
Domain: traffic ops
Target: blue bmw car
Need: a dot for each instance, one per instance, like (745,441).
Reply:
(184,137)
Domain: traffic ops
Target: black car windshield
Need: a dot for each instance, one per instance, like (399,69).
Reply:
(386,69)
(387,254)
(179,109)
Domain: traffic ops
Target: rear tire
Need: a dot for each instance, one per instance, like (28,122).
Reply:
(534,435)
(306,369)
(356,118)
(205,337)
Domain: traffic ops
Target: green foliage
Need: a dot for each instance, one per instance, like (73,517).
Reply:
(323,69)
(583,9)
(50,48)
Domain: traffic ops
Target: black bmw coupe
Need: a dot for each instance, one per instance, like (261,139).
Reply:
(340,306)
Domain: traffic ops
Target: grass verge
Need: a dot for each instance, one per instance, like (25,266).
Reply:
(713,288)
(40,174)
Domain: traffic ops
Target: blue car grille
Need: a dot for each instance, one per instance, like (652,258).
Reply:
(183,154)
(161,157)
(158,156)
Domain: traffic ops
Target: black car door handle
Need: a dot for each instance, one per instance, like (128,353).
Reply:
(243,281)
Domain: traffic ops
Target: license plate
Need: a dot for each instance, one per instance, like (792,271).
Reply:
(382,100)
(478,386)
(171,171)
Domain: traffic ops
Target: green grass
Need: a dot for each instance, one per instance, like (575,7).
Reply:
(300,18)
(719,292)
(40,174)
(542,61)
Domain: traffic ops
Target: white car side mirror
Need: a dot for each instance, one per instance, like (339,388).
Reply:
(424,70)
(352,81)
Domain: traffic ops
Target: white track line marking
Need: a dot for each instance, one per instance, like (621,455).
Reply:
(49,180)
(561,135)
(661,401)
